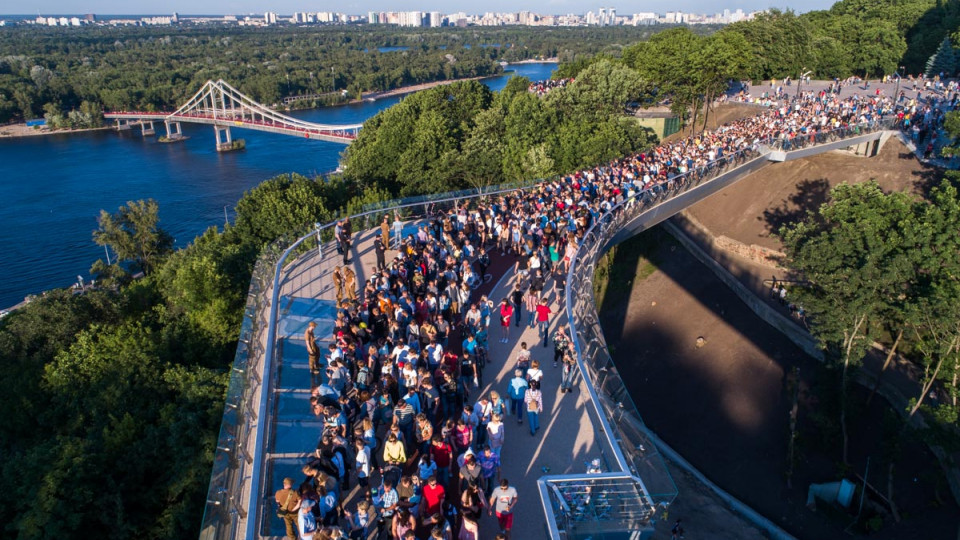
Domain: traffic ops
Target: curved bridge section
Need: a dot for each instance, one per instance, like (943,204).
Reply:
(223,106)
(266,430)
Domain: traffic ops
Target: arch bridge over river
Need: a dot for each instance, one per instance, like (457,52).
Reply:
(267,427)
(222,106)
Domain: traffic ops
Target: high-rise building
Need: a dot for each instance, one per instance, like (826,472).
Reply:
(372,17)
(270,18)
(436,19)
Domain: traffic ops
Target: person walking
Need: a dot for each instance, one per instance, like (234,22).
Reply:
(471,508)
(288,502)
(506,312)
(533,399)
(502,501)
(567,373)
(530,302)
(561,345)
(517,391)
(543,320)
(517,298)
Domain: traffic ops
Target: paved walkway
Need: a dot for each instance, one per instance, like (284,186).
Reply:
(567,439)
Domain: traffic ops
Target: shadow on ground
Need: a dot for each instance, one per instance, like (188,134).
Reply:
(725,405)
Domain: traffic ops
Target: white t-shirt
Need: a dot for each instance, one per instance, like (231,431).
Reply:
(363,463)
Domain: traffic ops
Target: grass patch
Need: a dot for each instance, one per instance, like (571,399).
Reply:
(632,261)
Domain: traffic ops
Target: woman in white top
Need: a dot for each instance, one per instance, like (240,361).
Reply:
(534,373)
(362,462)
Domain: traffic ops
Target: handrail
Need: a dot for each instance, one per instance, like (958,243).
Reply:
(256,477)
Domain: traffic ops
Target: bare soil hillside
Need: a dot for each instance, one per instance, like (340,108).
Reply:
(754,208)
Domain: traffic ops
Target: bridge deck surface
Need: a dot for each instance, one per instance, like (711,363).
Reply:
(566,441)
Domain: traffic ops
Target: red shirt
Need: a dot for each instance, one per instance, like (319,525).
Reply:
(543,313)
(441,455)
(432,495)
(506,311)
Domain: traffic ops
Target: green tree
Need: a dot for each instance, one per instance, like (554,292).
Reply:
(668,63)
(724,56)
(944,61)
(782,44)
(856,257)
(134,234)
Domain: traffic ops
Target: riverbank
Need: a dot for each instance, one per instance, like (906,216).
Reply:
(22,130)
(553,60)
(404,90)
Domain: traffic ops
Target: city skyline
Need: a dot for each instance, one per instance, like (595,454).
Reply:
(288,7)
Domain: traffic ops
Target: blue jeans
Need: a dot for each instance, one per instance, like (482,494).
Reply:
(443,476)
(566,381)
(531,321)
(534,418)
(516,407)
(544,331)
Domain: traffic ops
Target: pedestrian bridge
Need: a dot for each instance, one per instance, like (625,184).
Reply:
(267,428)
(222,106)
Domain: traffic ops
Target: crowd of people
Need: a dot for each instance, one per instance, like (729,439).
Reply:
(399,386)
(541,88)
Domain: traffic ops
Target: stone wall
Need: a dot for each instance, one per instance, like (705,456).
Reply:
(770,258)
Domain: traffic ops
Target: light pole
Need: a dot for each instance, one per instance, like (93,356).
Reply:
(800,80)
(896,93)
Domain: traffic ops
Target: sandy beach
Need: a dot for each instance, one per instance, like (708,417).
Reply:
(21,130)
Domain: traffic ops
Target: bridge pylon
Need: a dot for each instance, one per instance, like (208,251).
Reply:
(174,130)
(223,137)
(146,128)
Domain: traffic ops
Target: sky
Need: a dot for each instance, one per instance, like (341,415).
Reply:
(286,7)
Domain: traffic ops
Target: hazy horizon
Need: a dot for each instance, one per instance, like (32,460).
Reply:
(289,7)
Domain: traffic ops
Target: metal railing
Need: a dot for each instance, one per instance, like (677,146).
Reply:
(258,503)
(236,500)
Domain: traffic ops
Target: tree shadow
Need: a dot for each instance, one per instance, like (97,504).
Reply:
(928,178)
(809,196)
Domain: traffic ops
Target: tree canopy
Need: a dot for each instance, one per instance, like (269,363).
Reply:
(462,135)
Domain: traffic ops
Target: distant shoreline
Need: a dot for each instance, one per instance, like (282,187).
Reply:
(16,131)
(403,90)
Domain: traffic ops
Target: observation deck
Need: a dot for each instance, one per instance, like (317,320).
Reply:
(268,429)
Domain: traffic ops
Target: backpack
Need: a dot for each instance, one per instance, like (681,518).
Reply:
(363,378)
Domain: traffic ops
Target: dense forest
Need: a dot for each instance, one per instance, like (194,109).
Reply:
(463,135)
(51,70)
(110,401)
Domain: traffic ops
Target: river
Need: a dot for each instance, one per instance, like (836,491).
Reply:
(53,187)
